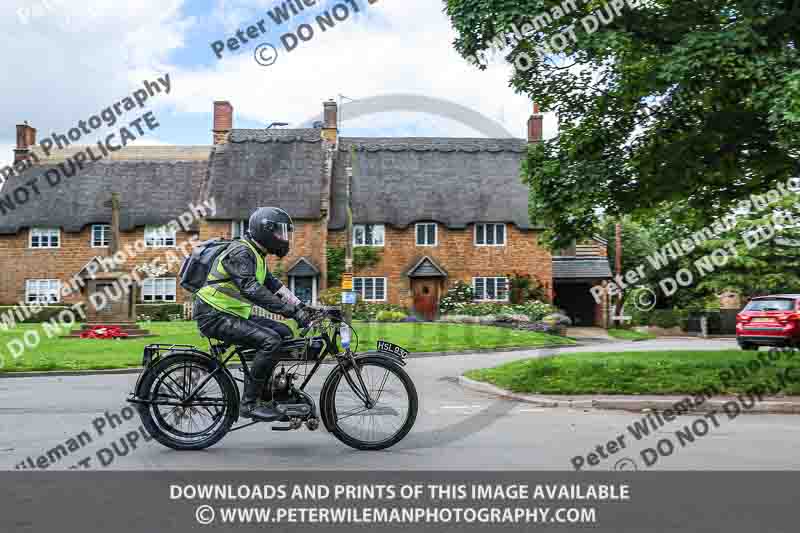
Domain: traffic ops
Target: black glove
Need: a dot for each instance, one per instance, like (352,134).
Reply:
(303,316)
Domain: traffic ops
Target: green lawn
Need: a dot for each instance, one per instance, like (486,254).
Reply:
(83,354)
(630,335)
(678,372)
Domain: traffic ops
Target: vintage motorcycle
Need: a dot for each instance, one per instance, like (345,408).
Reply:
(188,399)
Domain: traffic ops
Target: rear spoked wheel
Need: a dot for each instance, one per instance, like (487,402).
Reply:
(377,425)
(197,423)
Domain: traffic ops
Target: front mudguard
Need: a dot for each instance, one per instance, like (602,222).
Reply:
(324,409)
(213,362)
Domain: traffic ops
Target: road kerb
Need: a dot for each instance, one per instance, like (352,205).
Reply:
(630,403)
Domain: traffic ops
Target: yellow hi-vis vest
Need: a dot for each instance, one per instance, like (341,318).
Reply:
(225,296)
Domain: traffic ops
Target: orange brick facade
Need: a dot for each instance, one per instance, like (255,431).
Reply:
(456,253)
(22,263)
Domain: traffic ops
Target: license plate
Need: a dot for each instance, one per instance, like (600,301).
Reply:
(394,349)
(762,320)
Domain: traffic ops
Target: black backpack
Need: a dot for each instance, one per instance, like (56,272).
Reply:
(196,267)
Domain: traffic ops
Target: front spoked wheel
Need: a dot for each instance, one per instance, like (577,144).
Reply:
(377,424)
(189,411)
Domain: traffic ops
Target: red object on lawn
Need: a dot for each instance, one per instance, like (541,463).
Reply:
(103,332)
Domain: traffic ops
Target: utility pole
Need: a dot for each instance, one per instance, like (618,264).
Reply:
(347,276)
(618,267)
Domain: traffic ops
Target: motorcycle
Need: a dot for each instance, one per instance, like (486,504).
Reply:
(188,399)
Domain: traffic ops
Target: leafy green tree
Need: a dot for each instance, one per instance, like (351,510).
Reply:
(695,100)
(638,243)
(762,254)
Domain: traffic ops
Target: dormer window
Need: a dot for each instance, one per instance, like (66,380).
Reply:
(490,234)
(45,238)
(368,235)
(426,234)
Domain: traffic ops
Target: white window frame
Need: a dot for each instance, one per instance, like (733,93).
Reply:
(494,227)
(435,233)
(160,291)
(239,225)
(362,292)
(56,291)
(363,228)
(483,298)
(160,235)
(47,233)
(105,232)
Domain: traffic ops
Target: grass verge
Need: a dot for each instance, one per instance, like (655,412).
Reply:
(92,354)
(630,335)
(656,372)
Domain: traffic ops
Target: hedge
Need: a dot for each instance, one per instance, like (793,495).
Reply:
(159,312)
(43,315)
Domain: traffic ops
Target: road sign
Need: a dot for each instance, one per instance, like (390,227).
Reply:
(347,281)
(349,297)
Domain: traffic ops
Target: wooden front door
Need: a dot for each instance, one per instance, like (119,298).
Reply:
(426,297)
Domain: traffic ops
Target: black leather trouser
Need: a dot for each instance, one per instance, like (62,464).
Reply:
(262,334)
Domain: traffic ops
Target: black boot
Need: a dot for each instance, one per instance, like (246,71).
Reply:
(252,406)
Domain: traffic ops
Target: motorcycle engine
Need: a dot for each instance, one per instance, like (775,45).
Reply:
(280,384)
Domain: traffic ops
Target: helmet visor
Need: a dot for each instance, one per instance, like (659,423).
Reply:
(284,231)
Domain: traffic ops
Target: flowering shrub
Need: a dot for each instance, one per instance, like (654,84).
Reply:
(369,311)
(390,316)
(460,293)
(543,327)
(525,287)
(534,310)
(362,310)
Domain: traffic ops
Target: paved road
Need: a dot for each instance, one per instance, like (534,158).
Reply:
(456,429)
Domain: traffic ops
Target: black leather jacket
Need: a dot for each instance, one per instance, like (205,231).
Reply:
(240,264)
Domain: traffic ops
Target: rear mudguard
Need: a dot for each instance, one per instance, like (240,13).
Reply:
(214,363)
(324,408)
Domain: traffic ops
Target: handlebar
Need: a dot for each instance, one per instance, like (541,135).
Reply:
(318,313)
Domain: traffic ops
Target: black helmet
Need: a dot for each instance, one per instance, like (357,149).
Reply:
(272,229)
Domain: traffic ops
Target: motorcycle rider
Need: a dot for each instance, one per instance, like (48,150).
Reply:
(223,310)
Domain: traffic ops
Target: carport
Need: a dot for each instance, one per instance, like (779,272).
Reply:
(573,278)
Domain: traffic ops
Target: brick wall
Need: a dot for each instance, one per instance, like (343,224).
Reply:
(457,254)
(21,263)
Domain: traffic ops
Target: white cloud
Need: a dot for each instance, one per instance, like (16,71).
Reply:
(406,47)
(71,62)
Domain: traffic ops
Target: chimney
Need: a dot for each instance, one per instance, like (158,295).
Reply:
(26,137)
(330,122)
(223,121)
(535,125)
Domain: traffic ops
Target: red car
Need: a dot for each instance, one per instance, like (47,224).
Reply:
(769,321)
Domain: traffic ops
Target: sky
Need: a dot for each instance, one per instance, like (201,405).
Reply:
(66,61)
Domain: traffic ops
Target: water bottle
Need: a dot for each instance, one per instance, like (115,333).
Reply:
(344,332)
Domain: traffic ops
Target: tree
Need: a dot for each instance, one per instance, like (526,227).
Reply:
(763,254)
(638,243)
(695,100)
